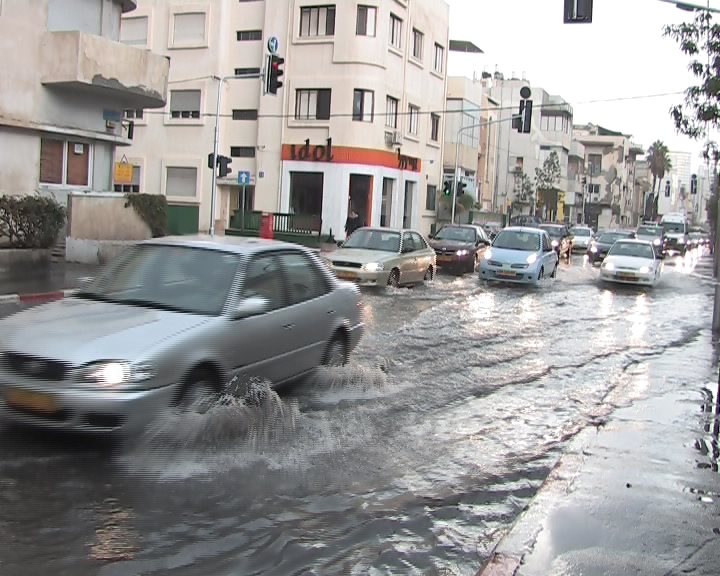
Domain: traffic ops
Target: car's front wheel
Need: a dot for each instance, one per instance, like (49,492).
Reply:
(429,273)
(199,393)
(336,354)
(394,278)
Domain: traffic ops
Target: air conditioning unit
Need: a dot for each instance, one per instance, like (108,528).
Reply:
(393,138)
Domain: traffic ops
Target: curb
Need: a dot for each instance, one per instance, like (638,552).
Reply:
(38,298)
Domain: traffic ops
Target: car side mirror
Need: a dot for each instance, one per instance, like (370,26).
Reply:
(252,306)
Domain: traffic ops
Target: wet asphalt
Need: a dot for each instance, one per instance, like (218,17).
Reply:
(414,459)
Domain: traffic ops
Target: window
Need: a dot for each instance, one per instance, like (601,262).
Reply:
(434,127)
(396,26)
(244,71)
(420,244)
(185,103)
(64,163)
(317,21)
(594,189)
(439,61)
(189,28)
(304,280)
(366,18)
(594,164)
(263,278)
(132,114)
(408,243)
(391,112)
(249,35)
(133,187)
(312,104)
(181,181)
(242,151)
(431,197)
(134,31)
(247,114)
(413,117)
(417,47)
(363,105)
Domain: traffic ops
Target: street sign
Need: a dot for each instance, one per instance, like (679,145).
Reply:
(273,45)
(243,178)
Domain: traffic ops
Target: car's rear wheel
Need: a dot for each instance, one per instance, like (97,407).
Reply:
(199,392)
(336,353)
(541,274)
(472,265)
(554,272)
(429,273)
(394,278)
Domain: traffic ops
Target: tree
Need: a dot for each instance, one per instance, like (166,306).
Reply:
(711,154)
(546,179)
(524,189)
(658,157)
(700,40)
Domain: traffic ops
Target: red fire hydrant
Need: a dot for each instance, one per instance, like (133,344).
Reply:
(266,226)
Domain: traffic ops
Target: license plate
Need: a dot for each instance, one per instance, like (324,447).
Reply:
(35,401)
(627,276)
(443,259)
(346,275)
(506,274)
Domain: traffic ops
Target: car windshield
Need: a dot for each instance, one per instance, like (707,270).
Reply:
(175,278)
(674,227)
(634,249)
(516,240)
(457,234)
(582,232)
(611,238)
(366,239)
(649,231)
(553,231)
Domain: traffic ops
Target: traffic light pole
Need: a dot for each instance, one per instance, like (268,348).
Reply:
(216,142)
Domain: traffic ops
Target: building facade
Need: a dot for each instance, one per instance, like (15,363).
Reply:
(63,93)
(357,122)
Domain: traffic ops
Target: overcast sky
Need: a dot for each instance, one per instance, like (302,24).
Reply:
(621,54)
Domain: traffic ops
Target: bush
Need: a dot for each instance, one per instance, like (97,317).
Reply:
(152,208)
(30,221)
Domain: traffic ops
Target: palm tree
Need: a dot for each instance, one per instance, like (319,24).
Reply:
(658,158)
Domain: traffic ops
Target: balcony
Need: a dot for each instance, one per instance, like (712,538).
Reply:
(131,77)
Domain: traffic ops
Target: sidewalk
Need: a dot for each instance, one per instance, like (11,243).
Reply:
(47,280)
(638,495)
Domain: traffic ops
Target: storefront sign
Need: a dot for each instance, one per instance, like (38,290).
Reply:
(317,153)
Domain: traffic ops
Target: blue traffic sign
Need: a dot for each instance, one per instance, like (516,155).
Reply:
(243,178)
(273,45)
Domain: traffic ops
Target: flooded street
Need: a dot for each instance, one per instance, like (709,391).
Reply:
(414,459)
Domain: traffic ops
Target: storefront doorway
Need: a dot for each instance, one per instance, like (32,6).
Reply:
(361,197)
(306,193)
(409,204)
(386,205)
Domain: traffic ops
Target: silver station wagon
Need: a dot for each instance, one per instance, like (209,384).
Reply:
(170,321)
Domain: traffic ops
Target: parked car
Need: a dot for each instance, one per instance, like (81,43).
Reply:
(492,229)
(560,239)
(384,257)
(169,323)
(582,235)
(519,255)
(631,262)
(600,246)
(459,247)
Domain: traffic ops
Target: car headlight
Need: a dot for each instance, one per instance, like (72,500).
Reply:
(645,270)
(488,254)
(593,249)
(681,241)
(116,374)
(656,241)
(462,252)
(532,259)
(554,243)
(609,266)
(373,267)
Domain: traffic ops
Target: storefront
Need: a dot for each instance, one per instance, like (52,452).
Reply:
(323,180)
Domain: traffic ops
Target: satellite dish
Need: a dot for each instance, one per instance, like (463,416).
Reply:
(525,92)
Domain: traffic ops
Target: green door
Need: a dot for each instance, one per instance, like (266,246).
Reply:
(183,219)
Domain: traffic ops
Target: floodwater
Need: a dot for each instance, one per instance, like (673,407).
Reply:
(414,459)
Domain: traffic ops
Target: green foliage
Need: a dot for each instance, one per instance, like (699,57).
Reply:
(524,188)
(466,202)
(30,221)
(152,208)
(700,40)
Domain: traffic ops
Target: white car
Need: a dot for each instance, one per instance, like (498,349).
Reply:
(631,262)
(582,235)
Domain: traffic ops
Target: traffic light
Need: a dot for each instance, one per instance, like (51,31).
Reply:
(667,189)
(693,184)
(224,166)
(461,188)
(274,73)
(447,188)
(211,161)
(578,12)
(523,121)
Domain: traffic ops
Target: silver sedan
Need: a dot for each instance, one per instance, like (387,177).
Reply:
(171,320)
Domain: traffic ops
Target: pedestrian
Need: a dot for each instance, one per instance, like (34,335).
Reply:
(353,222)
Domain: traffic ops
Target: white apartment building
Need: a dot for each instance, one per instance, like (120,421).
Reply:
(357,120)
(64,84)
